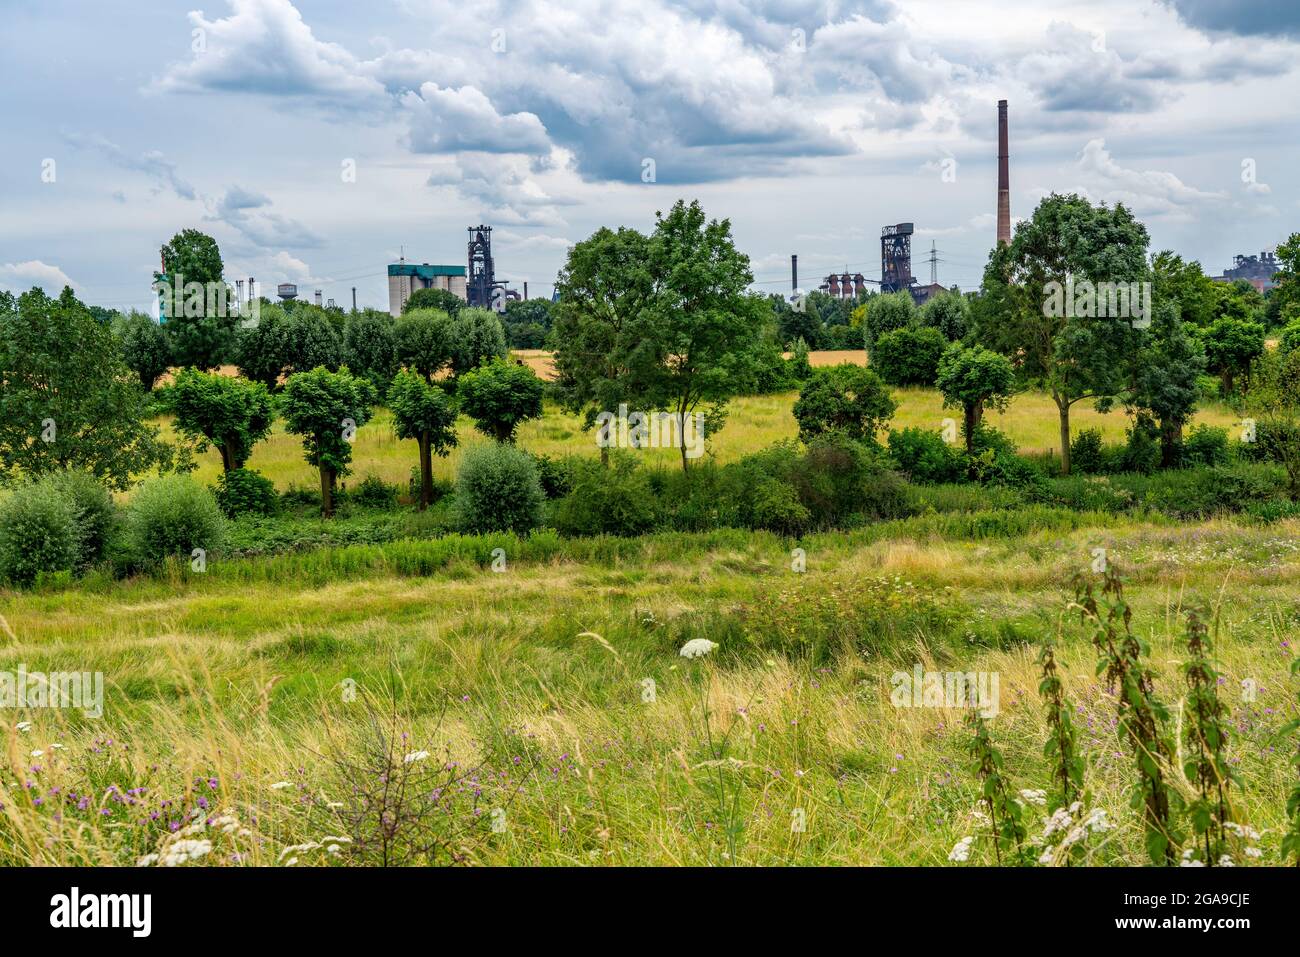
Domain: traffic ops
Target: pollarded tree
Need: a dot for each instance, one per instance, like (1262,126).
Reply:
(326,409)
(370,347)
(423,412)
(477,336)
(144,346)
(1045,289)
(67,400)
(498,396)
(895,310)
(230,413)
(1165,383)
(423,340)
(1231,345)
(972,378)
(695,339)
(848,399)
(949,312)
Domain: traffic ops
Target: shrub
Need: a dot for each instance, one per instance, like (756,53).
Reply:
(776,507)
(849,399)
(556,475)
(374,492)
(909,356)
(497,489)
(243,491)
(1142,452)
(39,534)
(839,480)
(93,507)
(606,501)
(172,516)
(1086,452)
(1205,445)
(923,456)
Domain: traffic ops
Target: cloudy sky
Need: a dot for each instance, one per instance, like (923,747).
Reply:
(317,139)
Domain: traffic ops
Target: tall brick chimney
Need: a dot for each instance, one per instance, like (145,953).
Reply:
(1004,179)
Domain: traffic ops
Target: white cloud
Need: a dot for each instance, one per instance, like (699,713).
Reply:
(1145,192)
(450,121)
(20,277)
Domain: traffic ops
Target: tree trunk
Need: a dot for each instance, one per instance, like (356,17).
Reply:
(974,413)
(227,460)
(1064,408)
(426,471)
(326,491)
(1171,436)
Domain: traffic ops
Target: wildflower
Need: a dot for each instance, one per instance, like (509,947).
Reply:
(1031,796)
(280,785)
(961,850)
(38,753)
(183,851)
(24,726)
(697,648)
(415,756)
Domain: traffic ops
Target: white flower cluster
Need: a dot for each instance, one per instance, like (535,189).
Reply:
(415,756)
(961,850)
(187,845)
(1063,822)
(697,648)
(331,844)
(1036,798)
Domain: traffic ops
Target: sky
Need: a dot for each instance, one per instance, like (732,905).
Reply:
(319,140)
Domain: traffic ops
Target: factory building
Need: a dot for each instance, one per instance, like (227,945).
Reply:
(1256,270)
(404,278)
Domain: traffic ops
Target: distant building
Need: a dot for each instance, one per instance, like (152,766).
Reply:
(404,278)
(1256,270)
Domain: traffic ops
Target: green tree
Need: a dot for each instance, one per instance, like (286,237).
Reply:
(476,337)
(694,340)
(262,350)
(527,323)
(423,338)
(1273,399)
(849,399)
(1284,301)
(203,330)
(144,347)
(68,398)
(423,412)
(1186,285)
(1048,322)
(895,310)
(603,286)
(1167,370)
(908,356)
(326,408)
(370,347)
(498,396)
(1231,345)
(972,378)
(230,413)
(949,312)
(439,299)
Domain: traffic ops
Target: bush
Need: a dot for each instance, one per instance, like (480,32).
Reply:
(606,501)
(172,516)
(841,481)
(374,492)
(776,507)
(556,475)
(497,489)
(1087,454)
(94,510)
(909,356)
(1205,445)
(245,492)
(1142,452)
(848,399)
(39,533)
(923,456)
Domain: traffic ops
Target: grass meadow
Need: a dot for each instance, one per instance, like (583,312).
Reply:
(534,686)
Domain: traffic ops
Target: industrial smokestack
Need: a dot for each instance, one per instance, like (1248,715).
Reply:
(318,297)
(354,298)
(251,294)
(1004,179)
(239,293)
(525,292)
(794,272)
